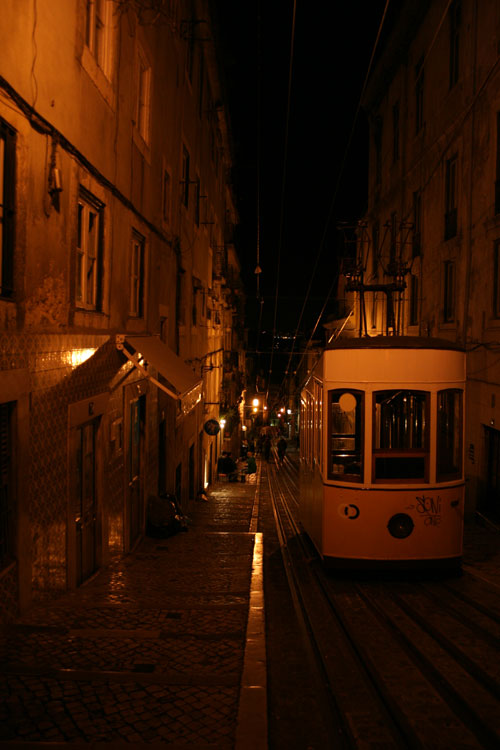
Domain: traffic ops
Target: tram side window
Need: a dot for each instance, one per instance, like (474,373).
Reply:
(346,435)
(449,434)
(400,440)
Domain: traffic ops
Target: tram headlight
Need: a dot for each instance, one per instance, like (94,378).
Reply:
(400,526)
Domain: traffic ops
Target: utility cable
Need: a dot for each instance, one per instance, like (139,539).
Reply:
(335,193)
(283,183)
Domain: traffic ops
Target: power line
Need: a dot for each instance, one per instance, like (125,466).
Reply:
(334,198)
(283,183)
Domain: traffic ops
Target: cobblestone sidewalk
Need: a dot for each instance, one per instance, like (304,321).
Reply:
(149,651)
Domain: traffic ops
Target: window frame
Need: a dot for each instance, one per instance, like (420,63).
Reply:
(402,453)
(89,202)
(456,434)
(455,16)
(137,275)
(357,435)
(449,291)
(143,95)
(99,34)
(496,279)
(7,208)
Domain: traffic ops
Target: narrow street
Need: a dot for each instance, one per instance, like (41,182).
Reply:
(157,648)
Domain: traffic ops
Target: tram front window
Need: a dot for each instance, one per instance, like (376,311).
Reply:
(400,440)
(345,435)
(449,435)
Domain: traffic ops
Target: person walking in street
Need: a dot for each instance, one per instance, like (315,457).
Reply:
(281,449)
(251,467)
(267,448)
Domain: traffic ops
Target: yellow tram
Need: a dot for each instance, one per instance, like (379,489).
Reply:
(381,448)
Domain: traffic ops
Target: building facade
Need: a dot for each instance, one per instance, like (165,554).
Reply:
(119,281)
(427,250)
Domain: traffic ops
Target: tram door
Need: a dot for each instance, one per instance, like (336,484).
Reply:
(86,501)
(490,503)
(135,464)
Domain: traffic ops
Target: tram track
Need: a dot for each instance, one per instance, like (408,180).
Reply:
(406,663)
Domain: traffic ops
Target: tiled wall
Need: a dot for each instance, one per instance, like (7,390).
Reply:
(59,377)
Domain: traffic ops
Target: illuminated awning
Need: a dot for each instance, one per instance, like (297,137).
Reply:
(144,351)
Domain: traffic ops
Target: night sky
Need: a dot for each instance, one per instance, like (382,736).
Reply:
(303,198)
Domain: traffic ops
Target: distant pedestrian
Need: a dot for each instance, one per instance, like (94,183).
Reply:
(266,448)
(251,463)
(260,443)
(281,448)
(244,448)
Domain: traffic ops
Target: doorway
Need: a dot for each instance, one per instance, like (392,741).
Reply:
(490,500)
(85,510)
(136,468)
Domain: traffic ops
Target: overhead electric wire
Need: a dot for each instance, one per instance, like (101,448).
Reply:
(260,299)
(332,204)
(425,57)
(283,183)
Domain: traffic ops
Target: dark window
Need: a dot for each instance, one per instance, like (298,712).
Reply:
(7,521)
(497,174)
(417,223)
(455,22)
(178,483)
(419,96)
(201,85)
(189,35)
(400,436)
(395,132)
(451,195)
(185,177)
(377,141)
(496,279)
(449,435)
(345,458)
(137,273)
(191,472)
(194,309)
(375,248)
(197,202)
(7,197)
(162,457)
(449,292)
(166,197)
(85,508)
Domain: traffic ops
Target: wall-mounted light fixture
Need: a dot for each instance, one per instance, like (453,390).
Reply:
(55,180)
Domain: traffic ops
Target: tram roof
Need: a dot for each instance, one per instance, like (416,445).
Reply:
(394,342)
